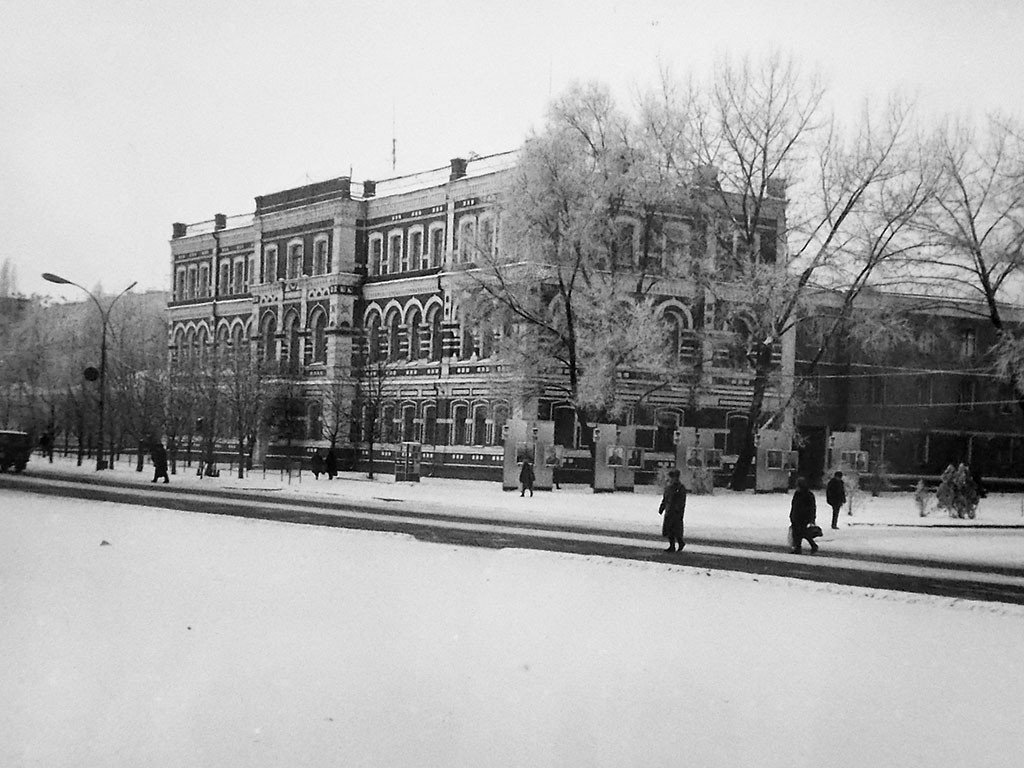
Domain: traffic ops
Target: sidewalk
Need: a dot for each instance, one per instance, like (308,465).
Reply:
(885,526)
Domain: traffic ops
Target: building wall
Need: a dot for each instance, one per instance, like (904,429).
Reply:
(398,252)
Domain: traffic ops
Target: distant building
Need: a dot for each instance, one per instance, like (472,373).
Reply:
(927,401)
(318,272)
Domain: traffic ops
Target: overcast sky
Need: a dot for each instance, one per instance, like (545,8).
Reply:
(119,118)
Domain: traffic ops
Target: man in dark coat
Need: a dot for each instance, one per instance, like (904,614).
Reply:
(526,478)
(673,506)
(801,514)
(316,464)
(331,463)
(159,456)
(835,495)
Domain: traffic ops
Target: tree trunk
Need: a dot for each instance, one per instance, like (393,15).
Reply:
(746,455)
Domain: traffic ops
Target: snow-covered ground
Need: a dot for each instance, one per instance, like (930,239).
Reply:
(887,525)
(196,640)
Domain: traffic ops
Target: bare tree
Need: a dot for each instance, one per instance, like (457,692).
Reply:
(975,223)
(852,194)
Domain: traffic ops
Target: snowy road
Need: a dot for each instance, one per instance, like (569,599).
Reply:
(135,636)
(907,574)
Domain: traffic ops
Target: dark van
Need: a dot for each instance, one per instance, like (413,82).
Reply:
(14,450)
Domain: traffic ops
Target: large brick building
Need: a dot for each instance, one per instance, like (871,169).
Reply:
(316,271)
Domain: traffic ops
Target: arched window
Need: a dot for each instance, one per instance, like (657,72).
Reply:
(468,342)
(318,332)
(500,420)
(467,239)
(413,331)
(488,237)
(436,336)
(202,345)
(624,249)
(486,341)
(268,338)
(290,355)
(429,434)
(480,425)
(436,244)
(388,424)
(373,339)
(239,343)
(409,422)
(394,337)
(459,415)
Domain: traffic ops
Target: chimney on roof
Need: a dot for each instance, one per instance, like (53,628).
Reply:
(178,230)
(776,187)
(458,168)
(369,188)
(220,221)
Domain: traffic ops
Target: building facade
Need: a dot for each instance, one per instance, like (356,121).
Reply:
(318,273)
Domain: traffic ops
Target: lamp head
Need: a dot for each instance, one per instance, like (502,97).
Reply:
(52,278)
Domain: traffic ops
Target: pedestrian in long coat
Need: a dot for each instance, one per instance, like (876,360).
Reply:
(316,464)
(331,463)
(526,478)
(802,513)
(159,455)
(673,507)
(835,495)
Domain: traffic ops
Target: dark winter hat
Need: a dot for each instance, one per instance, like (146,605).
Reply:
(673,473)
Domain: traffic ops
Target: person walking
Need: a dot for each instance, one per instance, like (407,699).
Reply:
(331,463)
(317,464)
(673,506)
(802,513)
(835,495)
(526,478)
(159,455)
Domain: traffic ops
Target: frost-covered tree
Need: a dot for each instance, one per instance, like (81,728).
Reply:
(572,284)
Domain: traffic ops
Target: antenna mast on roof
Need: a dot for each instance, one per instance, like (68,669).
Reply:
(394,141)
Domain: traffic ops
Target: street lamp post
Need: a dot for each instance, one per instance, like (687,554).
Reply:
(104,319)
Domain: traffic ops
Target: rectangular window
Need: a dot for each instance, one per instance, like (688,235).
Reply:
(877,390)
(767,245)
(437,246)
(924,390)
(967,395)
(270,265)
(378,263)
(487,237)
(225,279)
(204,281)
(295,261)
(968,344)
(321,265)
(416,249)
(179,292)
(240,286)
(398,261)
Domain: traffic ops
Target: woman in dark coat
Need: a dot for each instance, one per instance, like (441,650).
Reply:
(159,455)
(673,506)
(526,478)
(801,514)
(331,463)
